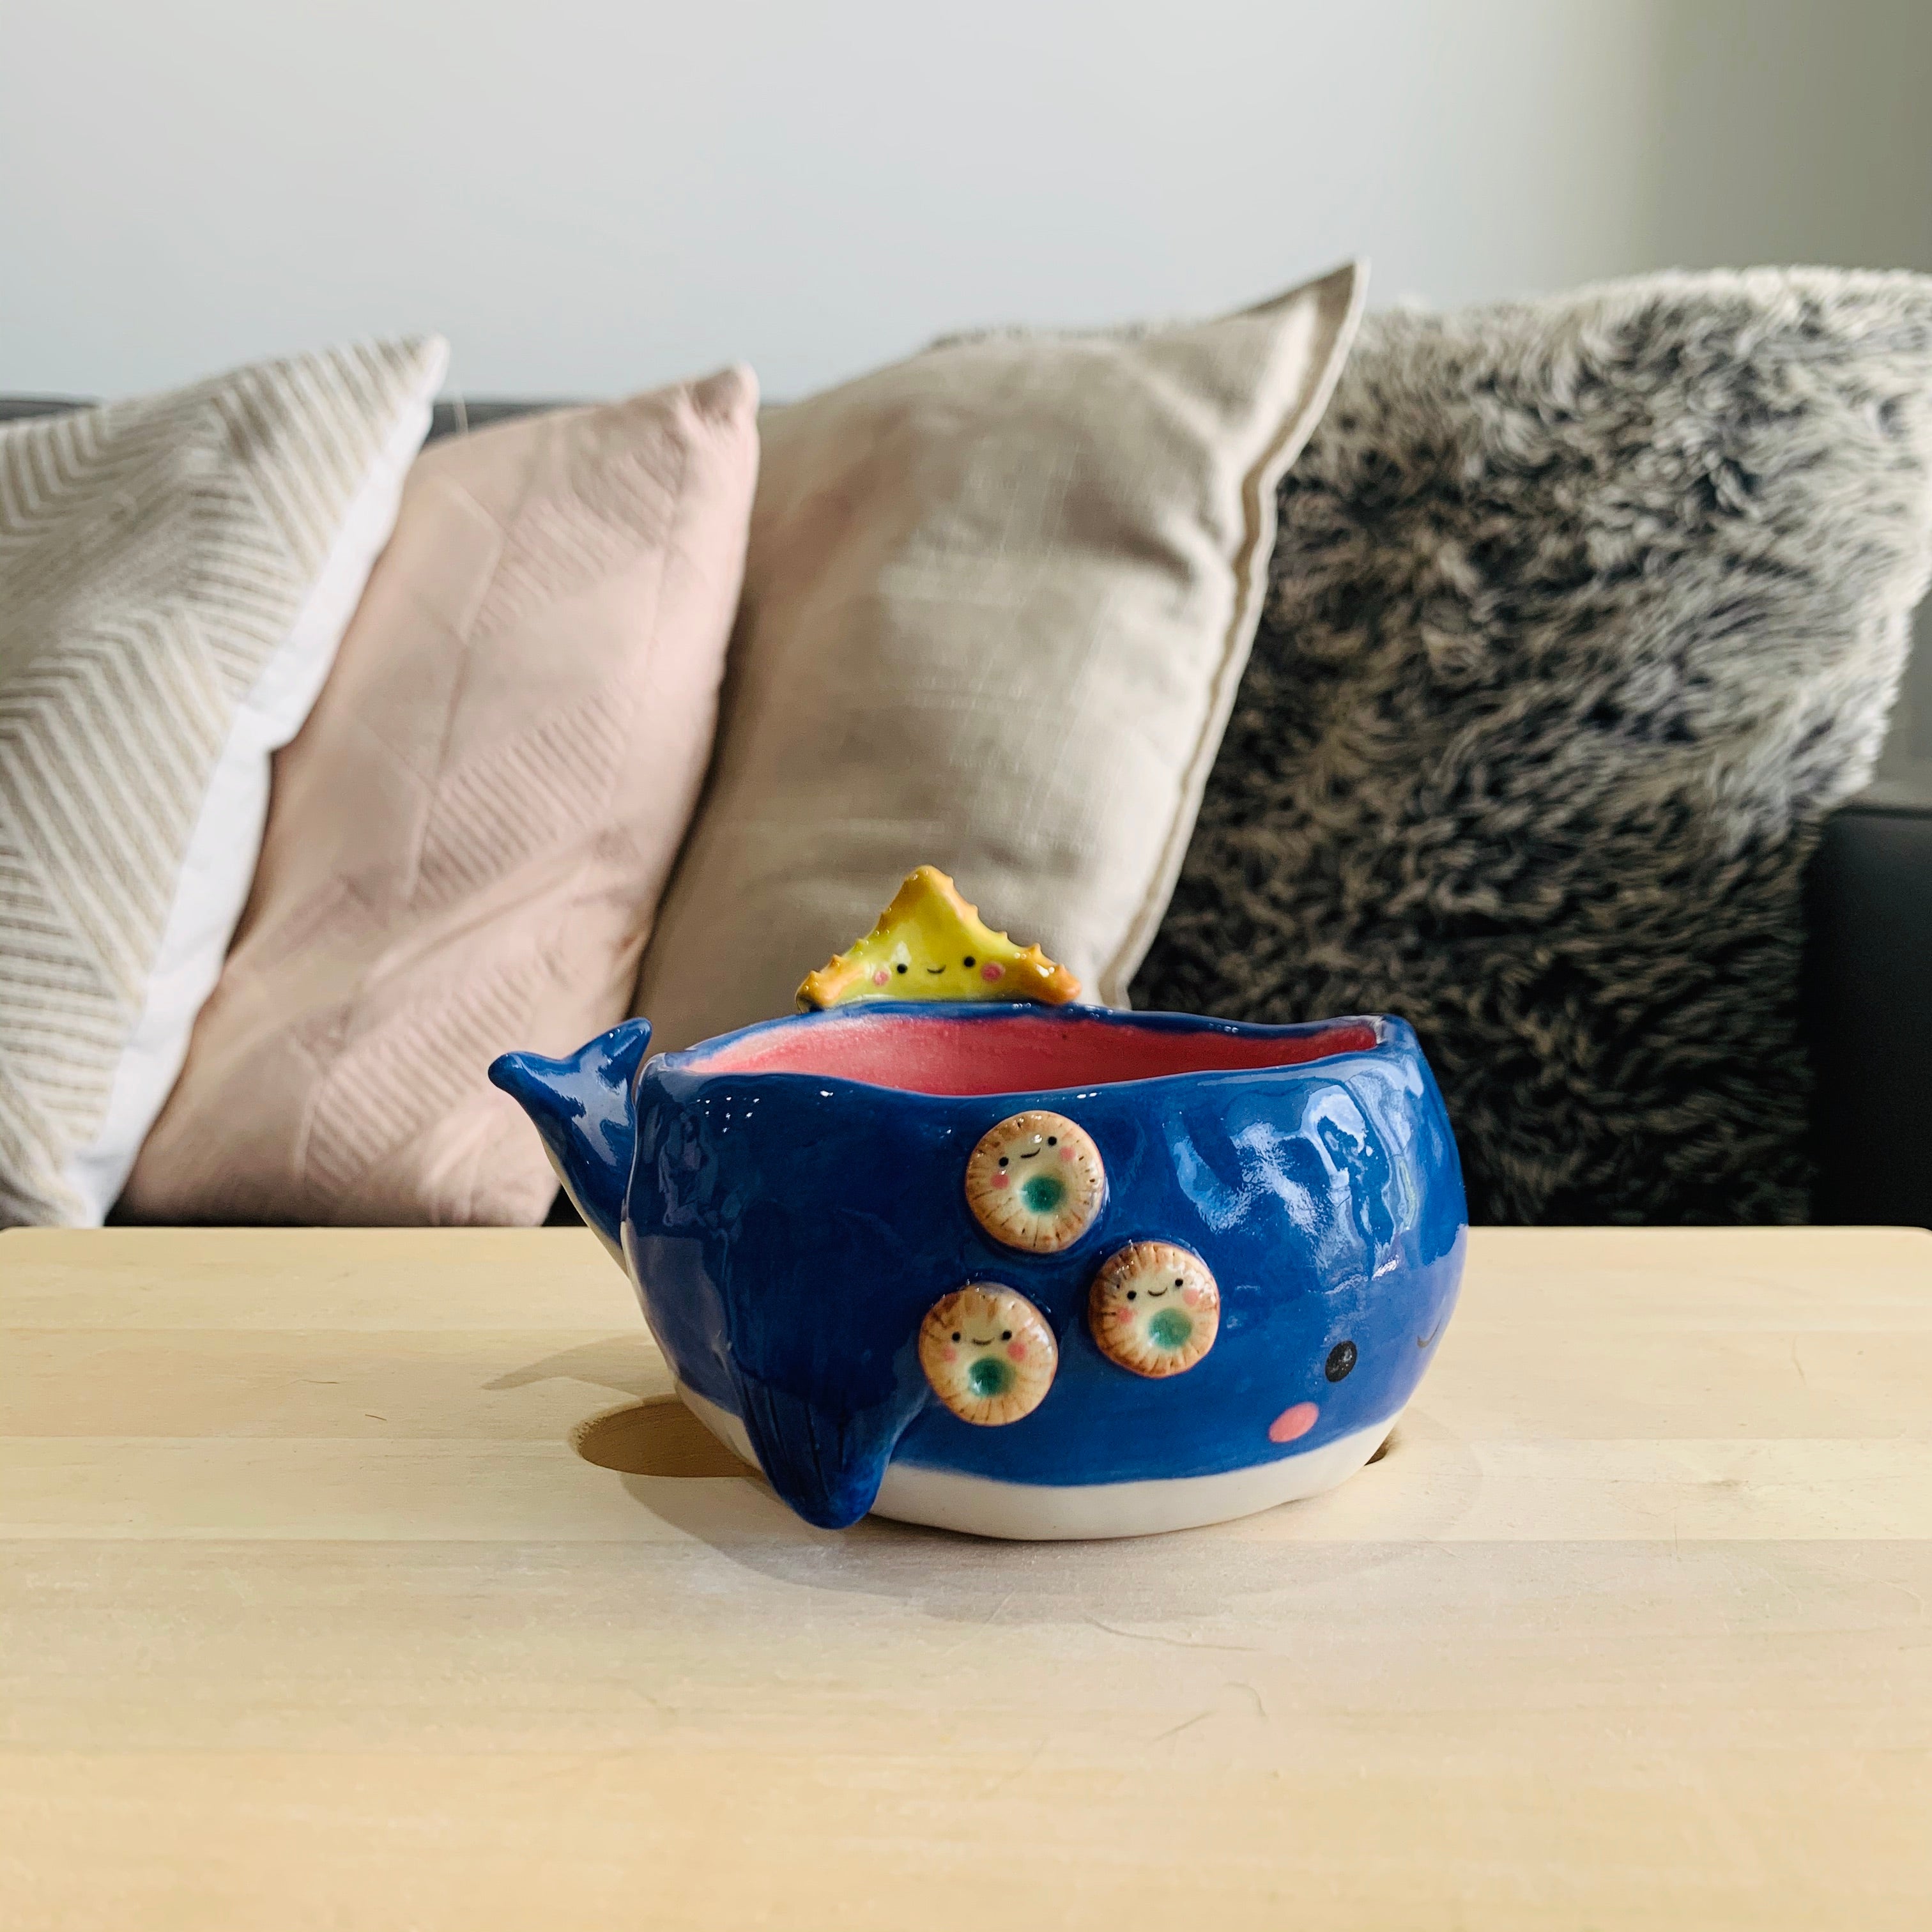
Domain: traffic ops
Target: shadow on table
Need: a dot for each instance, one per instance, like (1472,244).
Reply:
(674,1467)
(659,1437)
(621,1363)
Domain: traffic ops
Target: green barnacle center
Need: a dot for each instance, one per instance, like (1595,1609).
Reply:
(1043,1192)
(1170,1328)
(989,1376)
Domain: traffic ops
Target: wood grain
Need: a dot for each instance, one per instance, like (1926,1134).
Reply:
(312,1614)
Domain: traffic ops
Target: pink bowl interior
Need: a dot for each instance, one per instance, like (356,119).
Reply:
(940,1054)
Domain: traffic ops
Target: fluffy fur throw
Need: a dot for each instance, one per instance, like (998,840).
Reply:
(1584,614)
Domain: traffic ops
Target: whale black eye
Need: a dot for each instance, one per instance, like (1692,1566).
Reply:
(1341,1360)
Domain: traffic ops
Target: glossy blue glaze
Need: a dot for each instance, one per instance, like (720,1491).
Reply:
(581,1109)
(788,1232)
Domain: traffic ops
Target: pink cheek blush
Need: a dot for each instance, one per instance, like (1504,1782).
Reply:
(879,978)
(1191,1296)
(1067,1153)
(999,1180)
(951,1354)
(1292,1423)
(1017,1350)
(992,970)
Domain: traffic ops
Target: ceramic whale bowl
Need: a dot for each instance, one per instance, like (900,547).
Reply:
(1025,1271)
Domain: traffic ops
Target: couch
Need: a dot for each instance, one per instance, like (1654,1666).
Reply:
(1868,954)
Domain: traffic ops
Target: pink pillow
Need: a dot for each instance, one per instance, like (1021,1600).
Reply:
(467,841)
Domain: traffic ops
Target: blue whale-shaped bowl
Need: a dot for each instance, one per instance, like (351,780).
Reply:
(790,1200)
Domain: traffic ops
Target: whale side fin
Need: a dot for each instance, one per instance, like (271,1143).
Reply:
(826,1467)
(581,1109)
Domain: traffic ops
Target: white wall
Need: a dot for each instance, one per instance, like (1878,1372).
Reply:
(589,195)
(1801,130)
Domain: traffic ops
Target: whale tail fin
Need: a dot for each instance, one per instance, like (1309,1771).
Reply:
(581,1108)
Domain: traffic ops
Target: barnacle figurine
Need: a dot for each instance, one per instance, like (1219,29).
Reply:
(930,944)
(991,1378)
(1036,1181)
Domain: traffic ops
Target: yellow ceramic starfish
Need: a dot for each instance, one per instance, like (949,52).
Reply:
(930,944)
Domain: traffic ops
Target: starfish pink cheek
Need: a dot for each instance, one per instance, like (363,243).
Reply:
(992,969)
(1292,1422)
(879,978)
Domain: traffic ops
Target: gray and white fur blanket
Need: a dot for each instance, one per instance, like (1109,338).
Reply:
(1584,614)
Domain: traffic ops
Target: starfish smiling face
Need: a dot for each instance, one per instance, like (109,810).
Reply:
(988,1354)
(930,944)
(1036,1181)
(1154,1309)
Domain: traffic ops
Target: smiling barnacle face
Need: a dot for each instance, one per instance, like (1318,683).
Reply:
(1154,1308)
(1036,1181)
(988,1354)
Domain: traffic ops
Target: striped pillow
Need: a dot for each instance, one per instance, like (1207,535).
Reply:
(175,574)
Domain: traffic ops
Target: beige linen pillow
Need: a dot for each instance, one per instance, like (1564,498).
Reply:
(468,841)
(175,574)
(997,602)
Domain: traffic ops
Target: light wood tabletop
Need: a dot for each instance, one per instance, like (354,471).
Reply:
(373,1579)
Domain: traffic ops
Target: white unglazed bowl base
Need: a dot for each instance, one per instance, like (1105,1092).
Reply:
(1039,1512)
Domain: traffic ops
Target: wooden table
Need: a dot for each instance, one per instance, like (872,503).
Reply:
(367,1579)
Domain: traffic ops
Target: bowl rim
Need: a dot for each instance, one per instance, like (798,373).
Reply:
(682,1071)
